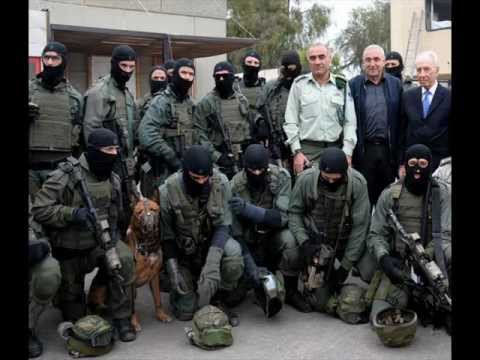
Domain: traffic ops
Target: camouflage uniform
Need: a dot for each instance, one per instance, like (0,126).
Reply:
(382,239)
(165,133)
(186,231)
(252,93)
(55,135)
(74,246)
(338,219)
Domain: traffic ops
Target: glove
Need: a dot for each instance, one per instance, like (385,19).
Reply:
(176,278)
(220,237)
(174,164)
(241,207)
(225,161)
(33,111)
(339,276)
(392,267)
(307,252)
(82,216)
(262,132)
(37,251)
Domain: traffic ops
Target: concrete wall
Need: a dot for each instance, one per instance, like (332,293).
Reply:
(439,41)
(177,17)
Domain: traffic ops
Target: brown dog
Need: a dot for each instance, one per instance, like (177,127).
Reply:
(143,238)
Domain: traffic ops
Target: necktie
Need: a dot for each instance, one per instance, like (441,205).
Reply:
(426,103)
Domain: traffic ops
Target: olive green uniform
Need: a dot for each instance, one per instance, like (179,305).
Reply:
(252,93)
(274,248)
(218,119)
(339,219)
(165,133)
(74,246)
(55,134)
(383,240)
(186,231)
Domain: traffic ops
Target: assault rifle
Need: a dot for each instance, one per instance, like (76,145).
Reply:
(101,231)
(228,142)
(432,297)
(277,137)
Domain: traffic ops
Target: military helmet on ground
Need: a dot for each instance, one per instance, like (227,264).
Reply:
(395,327)
(211,329)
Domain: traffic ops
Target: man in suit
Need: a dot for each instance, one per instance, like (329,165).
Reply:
(376,95)
(426,111)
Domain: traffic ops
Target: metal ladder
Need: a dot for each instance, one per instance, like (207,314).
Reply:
(413,40)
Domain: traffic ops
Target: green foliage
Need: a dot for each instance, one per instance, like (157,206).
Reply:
(367,25)
(276,28)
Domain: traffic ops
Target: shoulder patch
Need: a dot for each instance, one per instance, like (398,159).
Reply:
(340,82)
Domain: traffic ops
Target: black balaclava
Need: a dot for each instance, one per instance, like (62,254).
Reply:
(250,73)
(256,158)
(198,160)
(224,82)
(290,58)
(52,75)
(395,71)
(100,163)
(157,85)
(333,160)
(169,64)
(121,53)
(418,186)
(181,86)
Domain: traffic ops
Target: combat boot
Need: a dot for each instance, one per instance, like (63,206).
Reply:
(35,347)
(232,316)
(293,296)
(124,329)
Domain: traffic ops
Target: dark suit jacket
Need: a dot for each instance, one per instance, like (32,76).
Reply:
(432,131)
(393,95)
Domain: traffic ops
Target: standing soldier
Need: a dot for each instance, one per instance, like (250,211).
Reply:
(55,116)
(80,203)
(44,279)
(158,82)
(273,103)
(224,122)
(320,112)
(202,259)
(394,66)
(329,215)
(166,130)
(261,192)
(109,104)
(251,85)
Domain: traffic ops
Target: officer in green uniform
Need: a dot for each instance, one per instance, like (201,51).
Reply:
(55,116)
(60,207)
(109,104)
(45,279)
(251,85)
(158,82)
(166,130)
(320,112)
(329,215)
(203,261)
(224,123)
(273,103)
(261,193)
(407,198)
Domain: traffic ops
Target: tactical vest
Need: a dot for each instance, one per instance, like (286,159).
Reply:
(194,224)
(52,131)
(278,105)
(235,119)
(330,215)
(409,208)
(251,93)
(179,134)
(104,199)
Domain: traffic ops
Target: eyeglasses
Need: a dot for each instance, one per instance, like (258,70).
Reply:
(423,163)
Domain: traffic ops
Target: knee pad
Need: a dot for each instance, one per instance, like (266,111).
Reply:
(231,270)
(45,287)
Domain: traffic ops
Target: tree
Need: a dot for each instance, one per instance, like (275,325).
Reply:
(367,25)
(277,28)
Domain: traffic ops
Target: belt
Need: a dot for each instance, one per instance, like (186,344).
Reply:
(45,165)
(321,143)
(376,141)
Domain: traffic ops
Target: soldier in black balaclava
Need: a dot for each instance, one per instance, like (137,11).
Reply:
(394,66)
(123,57)
(224,75)
(158,79)
(55,110)
(169,65)
(418,168)
(291,68)
(197,167)
(101,160)
(182,78)
(333,169)
(251,85)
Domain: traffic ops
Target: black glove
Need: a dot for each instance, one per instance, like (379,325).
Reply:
(37,251)
(225,161)
(241,207)
(307,252)
(176,278)
(339,276)
(220,236)
(262,131)
(83,216)
(392,267)
(33,111)
(174,164)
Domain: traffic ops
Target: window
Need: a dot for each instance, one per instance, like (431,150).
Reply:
(438,14)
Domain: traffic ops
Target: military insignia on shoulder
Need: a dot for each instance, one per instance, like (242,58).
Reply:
(340,81)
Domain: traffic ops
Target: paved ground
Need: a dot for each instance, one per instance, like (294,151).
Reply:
(289,335)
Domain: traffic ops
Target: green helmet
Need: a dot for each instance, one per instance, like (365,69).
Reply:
(211,329)
(351,304)
(89,336)
(395,327)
